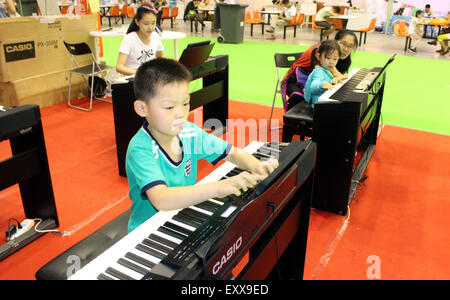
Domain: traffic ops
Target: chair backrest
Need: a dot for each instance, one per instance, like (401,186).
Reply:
(124,10)
(174,12)
(64,10)
(256,16)
(78,49)
(130,11)
(300,19)
(115,10)
(248,17)
(403,29)
(314,23)
(286,60)
(293,21)
(372,24)
(165,13)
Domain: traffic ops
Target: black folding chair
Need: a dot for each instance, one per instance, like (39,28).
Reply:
(91,70)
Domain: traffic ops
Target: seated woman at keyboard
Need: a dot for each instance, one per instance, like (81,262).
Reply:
(321,79)
(294,81)
(161,160)
(141,43)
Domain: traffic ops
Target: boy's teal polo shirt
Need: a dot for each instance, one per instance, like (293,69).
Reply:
(147,165)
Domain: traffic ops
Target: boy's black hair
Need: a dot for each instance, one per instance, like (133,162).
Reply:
(146,8)
(157,73)
(427,6)
(284,2)
(329,46)
(418,12)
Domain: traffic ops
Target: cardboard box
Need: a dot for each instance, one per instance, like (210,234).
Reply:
(43,90)
(31,46)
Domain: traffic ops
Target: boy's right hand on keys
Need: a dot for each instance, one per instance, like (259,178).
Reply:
(327,85)
(238,184)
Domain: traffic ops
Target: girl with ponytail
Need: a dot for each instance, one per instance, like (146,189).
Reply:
(141,43)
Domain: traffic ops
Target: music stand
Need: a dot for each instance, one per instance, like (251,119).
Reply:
(195,55)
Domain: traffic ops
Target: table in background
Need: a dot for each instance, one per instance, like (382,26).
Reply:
(430,36)
(344,19)
(269,13)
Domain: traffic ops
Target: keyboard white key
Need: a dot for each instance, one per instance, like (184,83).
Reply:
(327,96)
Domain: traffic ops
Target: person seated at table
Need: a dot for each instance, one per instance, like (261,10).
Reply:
(295,79)
(443,41)
(321,18)
(7,9)
(289,12)
(444,31)
(415,30)
(141,43)
(428,11)
(191,13)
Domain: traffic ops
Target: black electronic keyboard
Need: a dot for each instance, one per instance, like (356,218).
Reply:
(190,243)
(346,120)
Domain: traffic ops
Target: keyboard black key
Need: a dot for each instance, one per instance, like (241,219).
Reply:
(195,213)
(172,233)
(162,240)
(130,265)
(104,277)
(186,220)
(191,216)
(118,274)
(140,260)
(208,205)
(157,246)
(223,200)
(177,228)
(150,251)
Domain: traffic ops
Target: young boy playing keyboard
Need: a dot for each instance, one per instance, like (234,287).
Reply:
(161,160)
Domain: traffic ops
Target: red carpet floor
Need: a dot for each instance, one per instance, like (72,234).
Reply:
(397,228)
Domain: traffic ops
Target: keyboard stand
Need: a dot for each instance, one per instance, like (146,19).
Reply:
(28,167)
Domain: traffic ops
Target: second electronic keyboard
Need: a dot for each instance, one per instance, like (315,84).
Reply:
(345,121)
(189,243)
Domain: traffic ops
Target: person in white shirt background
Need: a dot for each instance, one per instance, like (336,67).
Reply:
(141,43)
(284,18)
(8,9)
(323,14)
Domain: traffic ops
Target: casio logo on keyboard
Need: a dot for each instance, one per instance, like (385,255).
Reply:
(227,256)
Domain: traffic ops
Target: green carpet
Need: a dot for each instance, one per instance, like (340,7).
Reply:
(416,94)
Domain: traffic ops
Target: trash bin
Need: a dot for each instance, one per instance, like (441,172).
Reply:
(232,18)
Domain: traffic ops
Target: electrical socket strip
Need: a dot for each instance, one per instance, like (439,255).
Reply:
(26,224)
